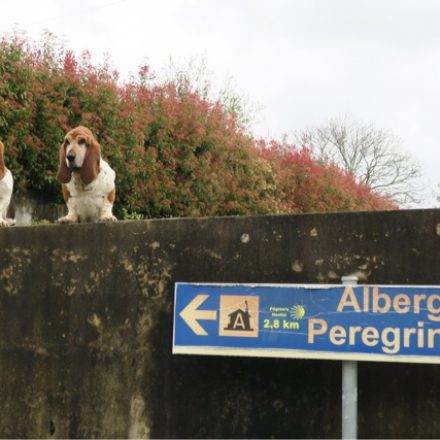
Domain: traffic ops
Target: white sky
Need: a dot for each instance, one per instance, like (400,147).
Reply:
(302,61)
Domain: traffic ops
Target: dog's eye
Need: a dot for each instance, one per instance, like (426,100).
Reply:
(66,142)
(81,141)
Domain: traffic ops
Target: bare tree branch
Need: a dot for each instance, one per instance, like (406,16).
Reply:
(373,156)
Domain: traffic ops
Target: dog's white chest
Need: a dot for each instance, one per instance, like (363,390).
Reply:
(88,209)
(89,201)
(6,186)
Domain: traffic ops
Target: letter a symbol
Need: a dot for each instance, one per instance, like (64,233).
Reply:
(239,321)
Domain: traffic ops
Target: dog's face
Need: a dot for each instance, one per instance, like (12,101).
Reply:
(75,146)
(79,152)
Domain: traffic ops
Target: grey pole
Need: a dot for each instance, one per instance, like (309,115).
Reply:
(349,387)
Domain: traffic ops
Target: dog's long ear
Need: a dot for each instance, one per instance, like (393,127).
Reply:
(2,161)
(90,167)
(64,172)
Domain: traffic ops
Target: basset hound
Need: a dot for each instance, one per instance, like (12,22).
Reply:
(87,181)
(6,187)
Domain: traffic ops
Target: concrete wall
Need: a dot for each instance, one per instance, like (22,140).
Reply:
(86,328)
(33,209)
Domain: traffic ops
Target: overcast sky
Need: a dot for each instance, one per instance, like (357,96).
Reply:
(302,62)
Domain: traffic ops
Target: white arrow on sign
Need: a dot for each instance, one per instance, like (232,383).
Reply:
(190,314)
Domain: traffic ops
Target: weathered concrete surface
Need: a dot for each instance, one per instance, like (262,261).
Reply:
(86,328)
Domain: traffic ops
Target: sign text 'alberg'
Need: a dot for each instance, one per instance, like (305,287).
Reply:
(390,338)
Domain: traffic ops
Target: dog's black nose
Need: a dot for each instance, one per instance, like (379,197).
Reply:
(70,156)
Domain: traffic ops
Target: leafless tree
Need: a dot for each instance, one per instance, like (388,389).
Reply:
(373,156)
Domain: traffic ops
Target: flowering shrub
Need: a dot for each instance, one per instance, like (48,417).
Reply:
(175,151)
(307,185)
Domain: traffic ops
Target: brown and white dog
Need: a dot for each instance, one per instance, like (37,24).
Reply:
(88,182)
(6,187)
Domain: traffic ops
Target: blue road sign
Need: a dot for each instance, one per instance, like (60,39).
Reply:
(364,322)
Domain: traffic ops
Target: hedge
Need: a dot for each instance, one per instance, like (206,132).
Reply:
(175,151)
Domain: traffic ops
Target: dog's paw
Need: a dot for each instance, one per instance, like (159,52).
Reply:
(3,223)
(67,219)
(108,218)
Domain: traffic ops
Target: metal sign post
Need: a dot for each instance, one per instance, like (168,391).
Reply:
(349,387)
